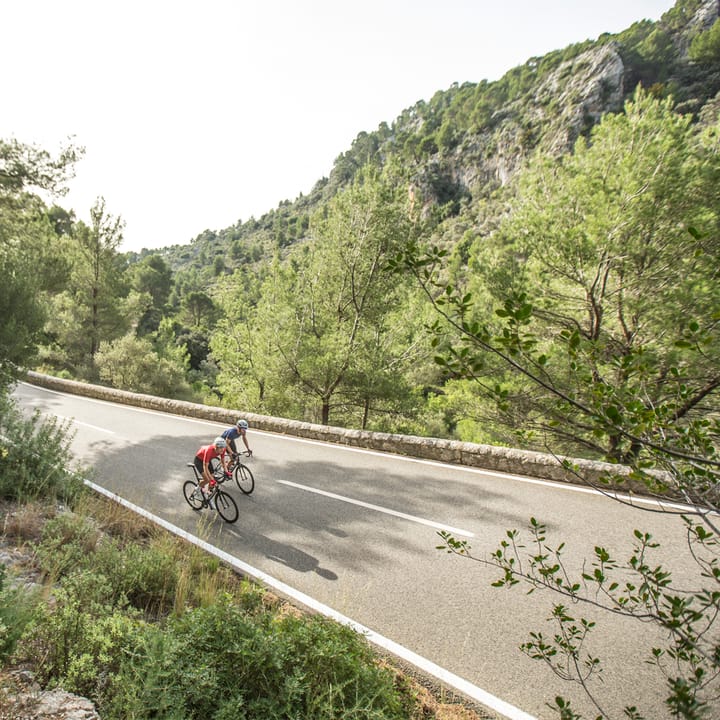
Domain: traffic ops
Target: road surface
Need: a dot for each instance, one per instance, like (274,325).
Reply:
(357,531)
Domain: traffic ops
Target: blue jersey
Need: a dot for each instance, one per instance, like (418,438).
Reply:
(231,433)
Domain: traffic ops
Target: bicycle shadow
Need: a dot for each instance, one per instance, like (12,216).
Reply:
(210,527)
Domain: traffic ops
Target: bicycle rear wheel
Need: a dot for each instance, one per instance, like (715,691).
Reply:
(193,494)
(226,506)
(244,478)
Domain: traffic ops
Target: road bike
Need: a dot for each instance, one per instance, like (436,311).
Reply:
(217,499)
(242,473)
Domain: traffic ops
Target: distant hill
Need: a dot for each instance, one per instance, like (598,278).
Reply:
(469,140)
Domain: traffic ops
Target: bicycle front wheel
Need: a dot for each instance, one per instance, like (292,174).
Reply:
(226,507)
(217,471)
(244,478)
(193,494)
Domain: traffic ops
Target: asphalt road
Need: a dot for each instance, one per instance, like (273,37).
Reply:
(357,531)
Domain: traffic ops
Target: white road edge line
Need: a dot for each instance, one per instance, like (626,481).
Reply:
(467,688)
(379,508)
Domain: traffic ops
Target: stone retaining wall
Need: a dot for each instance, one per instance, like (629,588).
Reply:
(487,457)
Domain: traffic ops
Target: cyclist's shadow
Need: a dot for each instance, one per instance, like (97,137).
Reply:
(292,557)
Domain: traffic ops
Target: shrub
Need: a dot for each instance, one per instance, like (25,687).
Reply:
(35,457)
(220,662)
(113,631)
(145,575)
(78,638)
(705,46)
(17,606)
(67,544)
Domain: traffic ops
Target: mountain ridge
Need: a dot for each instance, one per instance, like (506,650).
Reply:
(471,139)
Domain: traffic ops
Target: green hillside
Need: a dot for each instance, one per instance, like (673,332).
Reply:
(469,140)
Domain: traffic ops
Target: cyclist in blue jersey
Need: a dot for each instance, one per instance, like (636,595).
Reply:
(238,430)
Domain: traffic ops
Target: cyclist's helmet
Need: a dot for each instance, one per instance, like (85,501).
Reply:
(219,443)
(242,424)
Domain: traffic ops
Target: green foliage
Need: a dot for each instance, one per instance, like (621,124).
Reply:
(17,606)
(705,47)
(638,588)
(79,639)
(592,239)
(143,575)
(27,168)
(95,304)
(26,235)
(35,457)
(220,662)
(648,48)
(23,318)
(678,15)
(132,363)
(152,276)
(68,543)
(238,656)
(199,309)
(319,340)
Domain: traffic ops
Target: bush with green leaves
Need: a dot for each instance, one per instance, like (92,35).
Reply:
(133,363)
(219,662)
(67,544)
(143,575)
(35,457)
(223,661)
(17,606)
(705,46)
(112,631)
(79,637)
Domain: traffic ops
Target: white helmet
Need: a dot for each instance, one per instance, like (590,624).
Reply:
(219,442)
(242,424)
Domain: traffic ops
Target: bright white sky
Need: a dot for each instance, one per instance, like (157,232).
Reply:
(195,115)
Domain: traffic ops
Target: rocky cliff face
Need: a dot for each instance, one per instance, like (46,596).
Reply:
(583,89)
(570,100)
(565,104)
(700,21)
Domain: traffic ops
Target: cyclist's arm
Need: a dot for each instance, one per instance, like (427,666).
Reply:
(225,457)
(244,437)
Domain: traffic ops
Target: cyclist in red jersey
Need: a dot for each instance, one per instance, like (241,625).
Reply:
(205,455)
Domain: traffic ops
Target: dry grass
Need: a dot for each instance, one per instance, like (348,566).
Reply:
(11,707)
(24,523)
(116,519)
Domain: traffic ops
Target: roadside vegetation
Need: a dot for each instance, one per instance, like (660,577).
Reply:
(148,626)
